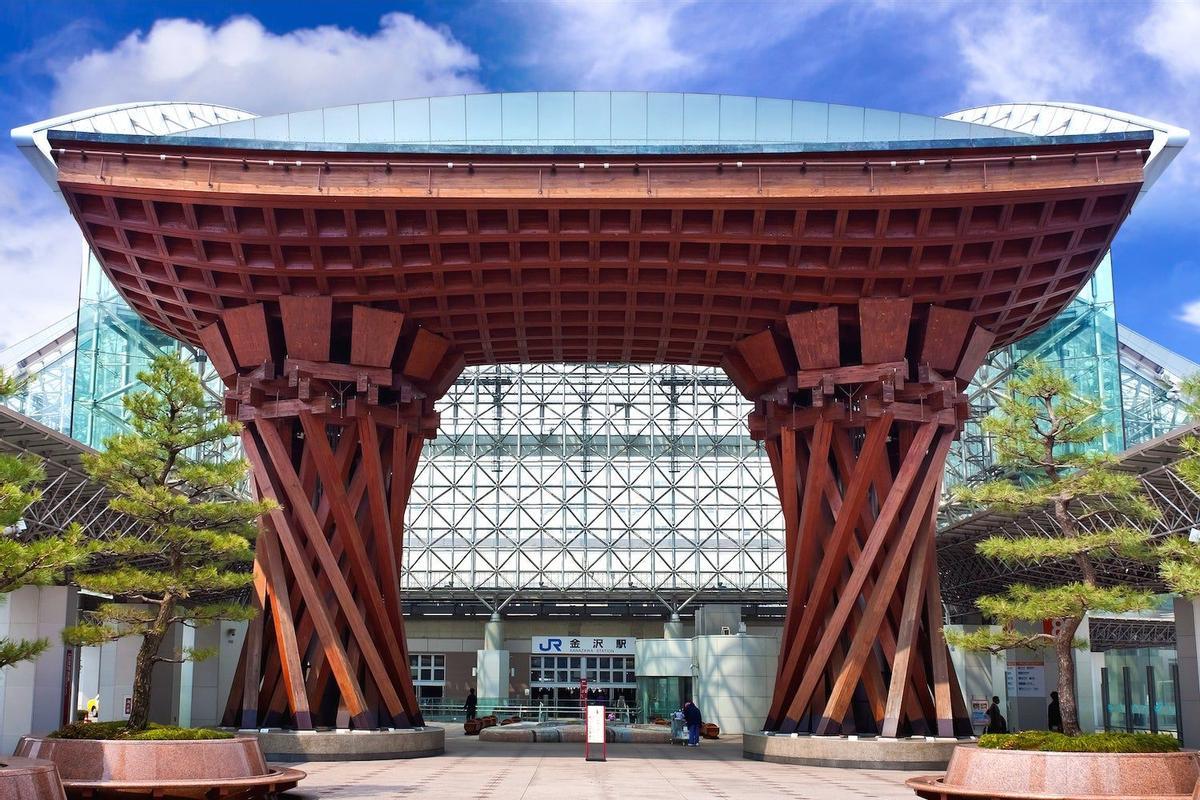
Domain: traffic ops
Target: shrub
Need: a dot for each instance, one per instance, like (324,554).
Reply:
(1047,741)
(119,730)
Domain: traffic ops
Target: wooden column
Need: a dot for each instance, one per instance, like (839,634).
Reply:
(336,411)
(857,417)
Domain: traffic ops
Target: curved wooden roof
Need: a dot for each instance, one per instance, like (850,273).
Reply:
(669,258)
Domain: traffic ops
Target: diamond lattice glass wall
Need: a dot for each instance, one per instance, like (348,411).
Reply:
(594,478)
(1153,406)
(114,344)
(49,373)
(1082,341)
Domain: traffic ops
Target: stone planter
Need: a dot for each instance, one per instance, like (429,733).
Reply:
(29,779)
(161,768)
(978,772)
(342,745)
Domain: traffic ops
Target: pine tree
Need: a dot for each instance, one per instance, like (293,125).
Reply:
(28,560)
(1189,468)
(1041,433)
(199,526)
(1181,556)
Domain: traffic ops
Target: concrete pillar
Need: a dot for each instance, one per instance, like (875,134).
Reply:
(1087,684)
(1187,646)
(493,633)
(166,688)
(115,677)
(734,677)
(492,669)
(212,677)
(673,628)
(36,697)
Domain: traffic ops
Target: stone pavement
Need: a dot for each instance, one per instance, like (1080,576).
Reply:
(473,769)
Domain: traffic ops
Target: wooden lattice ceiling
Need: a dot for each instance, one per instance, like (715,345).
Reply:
(653,261)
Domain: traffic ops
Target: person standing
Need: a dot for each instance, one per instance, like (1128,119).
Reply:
(471,705)
(1054,714)
(996,721)
(691,715)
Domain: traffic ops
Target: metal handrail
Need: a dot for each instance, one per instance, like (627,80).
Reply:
(451,710)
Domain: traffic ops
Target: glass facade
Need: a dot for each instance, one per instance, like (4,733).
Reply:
(1082,341)
(1139,693)
(662,696)
(428,674)
(1152,406)
(556,679)
(114,344)
(47,360)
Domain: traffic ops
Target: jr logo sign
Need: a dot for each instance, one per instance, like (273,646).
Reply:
(585,645)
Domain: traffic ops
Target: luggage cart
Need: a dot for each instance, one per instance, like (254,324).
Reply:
(679,731)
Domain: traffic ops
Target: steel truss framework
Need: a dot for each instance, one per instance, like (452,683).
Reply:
(966,575)
(1119,633)
(571,480)
(69,496)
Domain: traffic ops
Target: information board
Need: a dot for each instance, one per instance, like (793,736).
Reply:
(1025,679)
(594,747)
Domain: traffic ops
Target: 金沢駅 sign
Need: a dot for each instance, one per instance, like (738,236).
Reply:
(584,645)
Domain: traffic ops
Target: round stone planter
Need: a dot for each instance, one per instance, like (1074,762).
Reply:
(849,752)
(345,745)
(558,732)
(181,769)
(978,772)
(29,779)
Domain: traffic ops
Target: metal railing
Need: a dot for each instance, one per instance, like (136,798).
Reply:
(446,710)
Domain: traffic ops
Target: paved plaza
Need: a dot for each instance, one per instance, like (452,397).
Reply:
(474,769)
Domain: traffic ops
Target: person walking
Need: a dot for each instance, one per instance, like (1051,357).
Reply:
(691,715)
(996,721)
(471,705)
(1054,714)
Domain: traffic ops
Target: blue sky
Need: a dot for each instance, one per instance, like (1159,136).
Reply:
(933,58)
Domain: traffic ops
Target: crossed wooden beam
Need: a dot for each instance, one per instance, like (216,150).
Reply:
(857,408)
(336,410)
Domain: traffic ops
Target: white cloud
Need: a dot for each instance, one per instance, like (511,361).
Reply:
(237,63)
(1169,33)
(1026,53)
(1190,314)
(654,44)
(1140,60)
(604,45)
(40,253)
(240,63)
